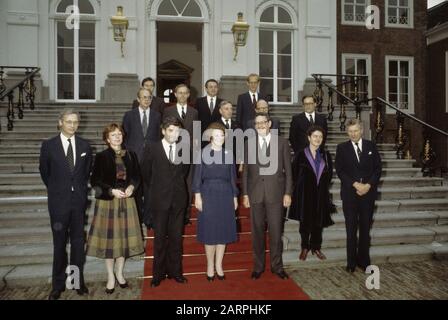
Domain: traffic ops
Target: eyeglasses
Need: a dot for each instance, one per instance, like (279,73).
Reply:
(260,123)
(72,123)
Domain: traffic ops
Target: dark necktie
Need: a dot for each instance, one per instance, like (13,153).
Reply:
(212,106)
(311,119)
(184,115)
(227,124)
(144,123)
(70,158)
(358,151)
(170,154)
(264,147)
(254,101)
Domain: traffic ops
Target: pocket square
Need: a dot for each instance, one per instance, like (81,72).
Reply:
(83,155)
(370,153)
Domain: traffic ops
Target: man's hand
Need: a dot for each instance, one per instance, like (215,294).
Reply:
(198,201)
(246,202)
(363,189)
(287,201)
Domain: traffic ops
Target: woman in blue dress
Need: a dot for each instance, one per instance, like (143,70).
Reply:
(214,186)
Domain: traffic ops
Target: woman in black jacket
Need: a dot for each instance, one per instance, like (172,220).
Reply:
(115,233)
(311,204)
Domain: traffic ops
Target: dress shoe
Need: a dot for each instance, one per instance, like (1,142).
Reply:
(210,279)
(54,295)
(223,277)
(350,269)
(179,279)
(362,268)
(282,275)
(255,275)
(122,285)
(82,290)
(109,291)
(155,283)
(319,254)
(303,254)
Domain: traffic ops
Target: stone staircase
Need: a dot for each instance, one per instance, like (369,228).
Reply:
(411,219)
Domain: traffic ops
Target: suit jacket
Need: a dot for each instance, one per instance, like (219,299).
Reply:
(58,178)
(349,170)
(233,124)
(245,110)
(104,174)
(268,188)
(157,104)
(132,125)
(165,181)
(299,125)
(275,124)
(204,114)
(191,116)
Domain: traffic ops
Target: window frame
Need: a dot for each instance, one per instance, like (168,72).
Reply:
(410,24)
(352,23)
(359,56)
(411,92)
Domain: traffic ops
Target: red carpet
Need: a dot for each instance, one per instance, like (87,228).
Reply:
(237,267)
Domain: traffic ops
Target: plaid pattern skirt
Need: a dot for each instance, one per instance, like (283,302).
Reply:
(115,231)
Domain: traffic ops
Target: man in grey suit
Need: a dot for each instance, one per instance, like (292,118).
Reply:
(267,193)
(186,115)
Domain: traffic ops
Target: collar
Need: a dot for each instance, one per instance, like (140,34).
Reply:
(313,114)
(166,145)
(359,144)
(65,139)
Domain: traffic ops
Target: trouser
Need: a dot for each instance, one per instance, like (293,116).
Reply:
(312,240)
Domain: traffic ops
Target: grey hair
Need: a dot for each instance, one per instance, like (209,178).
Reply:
(354,122)
(223,103)
(68,111)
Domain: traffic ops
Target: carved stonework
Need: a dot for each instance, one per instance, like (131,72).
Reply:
(277,2)
(149,8)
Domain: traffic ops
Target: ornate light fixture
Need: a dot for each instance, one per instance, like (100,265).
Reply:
(239,29)
(120,24)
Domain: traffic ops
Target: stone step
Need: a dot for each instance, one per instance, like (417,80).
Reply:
(334,237)
(7,141)
(26,204)
(400,182)
(378,254)
(405,205)
(25,276)
(385,193)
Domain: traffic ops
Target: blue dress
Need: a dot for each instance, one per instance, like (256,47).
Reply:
(216,183)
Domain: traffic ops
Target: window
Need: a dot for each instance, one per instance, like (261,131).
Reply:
(75,54)
(399,13)
(180,8)
(358,65)
(276,55)
(400,82)
(354,11)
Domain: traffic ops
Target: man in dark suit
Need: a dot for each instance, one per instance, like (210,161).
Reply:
(225,116)
(186,115)
(64,165)
(156,103)
(208,106)
(141,126)
(165,177)
(247,102)
(301,122)
(263,107)
(267,188)
(358,165)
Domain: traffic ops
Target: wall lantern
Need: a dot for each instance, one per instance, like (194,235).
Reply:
(120,24)
(239,29)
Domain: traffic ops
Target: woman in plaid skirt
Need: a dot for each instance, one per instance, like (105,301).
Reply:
(115,234)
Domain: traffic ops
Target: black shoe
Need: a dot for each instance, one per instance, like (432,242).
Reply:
(282,275)
(255,275)
(223,277)
(109,291)
(122,286)
(54,295)
(155,283)
(82,290)
(210,279)
(179,279)
(350,269)
(363,268)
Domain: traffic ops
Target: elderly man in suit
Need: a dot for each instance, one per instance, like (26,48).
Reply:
(301,122)
(267,188)
(165,176)
(156,103)
(141,126)
(64,165)
(247,102)
(187,116)
(208,106)
(263,107)
(358,165)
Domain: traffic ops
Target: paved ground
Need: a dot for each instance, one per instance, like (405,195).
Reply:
(417,280)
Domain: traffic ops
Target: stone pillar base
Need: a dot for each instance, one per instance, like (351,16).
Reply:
(232,87)
(120,88)
(14,76)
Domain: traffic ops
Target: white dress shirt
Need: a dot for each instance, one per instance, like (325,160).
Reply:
(142,113)
(65,145)
(252,96)
(224,121)
(179,109)
(166,147)
(360,147)
(268,140)
(214,101)
(311,114)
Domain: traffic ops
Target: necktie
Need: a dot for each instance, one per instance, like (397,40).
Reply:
(70,159)
(311,119)
(254,101)
(212,106)
(144,123)
(183,113)
(264,147)
(170,154)
(358,151)
(227,124)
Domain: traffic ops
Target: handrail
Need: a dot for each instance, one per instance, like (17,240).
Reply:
(334,88)
(27,77)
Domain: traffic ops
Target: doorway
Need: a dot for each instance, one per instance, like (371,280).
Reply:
(179,58)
